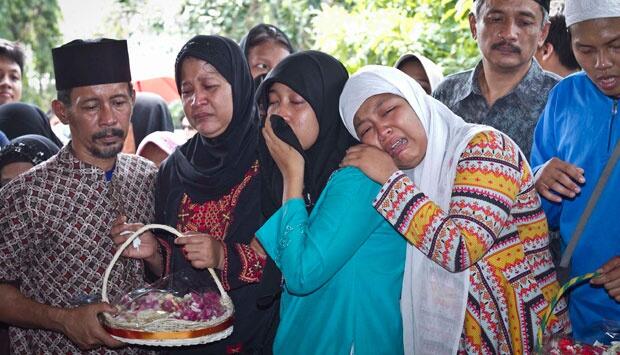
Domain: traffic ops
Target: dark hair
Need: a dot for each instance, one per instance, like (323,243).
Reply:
(14,52)
(477,6)
(263,33)
(560,39)
(64,96)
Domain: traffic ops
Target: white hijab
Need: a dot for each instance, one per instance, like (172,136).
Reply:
(432,70)
(433,300)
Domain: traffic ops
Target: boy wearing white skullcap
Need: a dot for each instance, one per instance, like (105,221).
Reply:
(573,142)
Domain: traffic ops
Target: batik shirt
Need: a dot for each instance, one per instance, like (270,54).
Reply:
(55,242)
(496,228)
(515,114)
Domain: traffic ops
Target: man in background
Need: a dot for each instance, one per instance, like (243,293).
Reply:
(507,89)
(556,54)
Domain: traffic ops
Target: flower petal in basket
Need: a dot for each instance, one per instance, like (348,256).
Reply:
(166,319)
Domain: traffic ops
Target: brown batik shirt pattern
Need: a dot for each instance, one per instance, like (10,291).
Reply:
(515,114)
(55,223)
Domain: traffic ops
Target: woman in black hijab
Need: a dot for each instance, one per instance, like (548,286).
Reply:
(23,153)
(150,114)
(335,251)
(18,119)
(318,78)
(209,189)
(264,47)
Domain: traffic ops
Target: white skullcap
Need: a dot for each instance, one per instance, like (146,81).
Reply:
(583,10)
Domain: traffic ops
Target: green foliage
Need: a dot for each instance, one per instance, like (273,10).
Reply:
(34,23)
(356,32)
(378,32)
(235,18)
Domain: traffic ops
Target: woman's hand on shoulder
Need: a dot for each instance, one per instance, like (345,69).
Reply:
(374,162)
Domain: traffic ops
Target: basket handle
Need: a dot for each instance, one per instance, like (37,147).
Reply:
(136,234)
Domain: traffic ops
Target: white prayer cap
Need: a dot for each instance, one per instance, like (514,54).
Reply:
(583,10)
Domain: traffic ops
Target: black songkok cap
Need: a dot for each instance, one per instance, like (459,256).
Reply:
(91,62)
(543,3)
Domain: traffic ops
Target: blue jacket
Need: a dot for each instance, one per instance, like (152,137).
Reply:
(580,125)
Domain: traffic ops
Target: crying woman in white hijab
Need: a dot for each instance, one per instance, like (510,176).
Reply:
(421,69)
(463,196)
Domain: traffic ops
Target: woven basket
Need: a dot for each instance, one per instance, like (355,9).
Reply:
(167,331)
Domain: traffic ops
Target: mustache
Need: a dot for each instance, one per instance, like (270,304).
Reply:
(109,132)
(511,47)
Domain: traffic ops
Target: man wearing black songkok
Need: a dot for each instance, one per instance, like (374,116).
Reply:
(56,218)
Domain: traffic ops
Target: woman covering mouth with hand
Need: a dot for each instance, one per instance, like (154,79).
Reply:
(478,274)
(342,263)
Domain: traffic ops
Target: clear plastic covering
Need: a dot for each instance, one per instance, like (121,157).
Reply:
(602,338)
(156,307)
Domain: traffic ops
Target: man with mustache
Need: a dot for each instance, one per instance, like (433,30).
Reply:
(507,89)
(56,219)
(574,140)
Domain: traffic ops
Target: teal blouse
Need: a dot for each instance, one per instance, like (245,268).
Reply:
(343,269)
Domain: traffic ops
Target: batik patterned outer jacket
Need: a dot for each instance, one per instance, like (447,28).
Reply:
(497,229)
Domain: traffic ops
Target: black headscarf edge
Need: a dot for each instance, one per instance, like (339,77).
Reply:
(323,157)
(211,166)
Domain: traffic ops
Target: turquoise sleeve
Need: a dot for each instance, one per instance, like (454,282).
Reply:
(309,250)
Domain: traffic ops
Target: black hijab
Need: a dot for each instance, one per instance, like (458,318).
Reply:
(18,119)
(264,32)
(319,79)
(210,167)
(30,148)
(207,169)
(150,114)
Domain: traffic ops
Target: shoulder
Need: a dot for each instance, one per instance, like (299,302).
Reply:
(350,174)
(137,165)
(453,86)
(563,94)
(491,139)
(550,78)
(351,180)
(452,79)
(492,143)
(577,81)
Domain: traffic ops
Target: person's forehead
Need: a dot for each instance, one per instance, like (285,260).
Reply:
(600,30)
(204,69)
(513,6)
(268,47)
(6,61)
(100,91)
(371,105)
(281,88)
(413,66)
